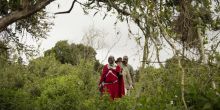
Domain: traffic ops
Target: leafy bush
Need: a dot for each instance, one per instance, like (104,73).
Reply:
(13,76)
(47,84)
(72,87)
(14,99)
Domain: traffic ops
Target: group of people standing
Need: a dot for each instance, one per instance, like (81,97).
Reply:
(117,77)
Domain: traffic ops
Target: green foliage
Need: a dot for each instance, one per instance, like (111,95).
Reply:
(47,84)
(12,99)
(3,53)
(37,25)
(64,53)
(199,90)
(76,89)
(60,93)
(45,66)
(160,89)
(13,76)
(71,53)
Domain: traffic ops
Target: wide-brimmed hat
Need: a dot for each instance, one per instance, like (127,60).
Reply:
(118,60)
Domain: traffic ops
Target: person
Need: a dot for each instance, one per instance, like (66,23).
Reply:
(130,68)
(109,79)
(127,79)
(120,78)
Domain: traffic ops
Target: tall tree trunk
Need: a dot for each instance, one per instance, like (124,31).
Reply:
(156,45)
(182,82)
(201,46)
(177,53)
(145,52)
(203,60)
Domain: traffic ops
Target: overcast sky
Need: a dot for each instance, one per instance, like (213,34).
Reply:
(73,26)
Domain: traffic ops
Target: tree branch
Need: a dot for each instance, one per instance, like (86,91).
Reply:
(22,13)
(111,4)
(90,3)
(157,51)
(68,11)
(177,53)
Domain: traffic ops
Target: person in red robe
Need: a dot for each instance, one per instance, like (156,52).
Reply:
(109,81)
(120,78)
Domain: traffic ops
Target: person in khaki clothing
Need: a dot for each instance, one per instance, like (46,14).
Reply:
(127,79)
(130,68)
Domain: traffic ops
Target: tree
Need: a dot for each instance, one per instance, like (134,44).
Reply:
(13,10)
(182,24)
(4,55)
(34,27)
(94,38)
(71,53)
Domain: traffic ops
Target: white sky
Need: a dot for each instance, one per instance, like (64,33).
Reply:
(73,26)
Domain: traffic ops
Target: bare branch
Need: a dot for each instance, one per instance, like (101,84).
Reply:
(157,51)
(154,62)
(109,50)
(64,12)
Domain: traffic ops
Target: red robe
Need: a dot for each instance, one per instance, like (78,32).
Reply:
(111,82)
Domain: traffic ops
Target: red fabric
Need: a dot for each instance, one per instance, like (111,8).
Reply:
(121,88)
(116,90)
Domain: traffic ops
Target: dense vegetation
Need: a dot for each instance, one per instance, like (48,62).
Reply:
(47,83)
(66,77)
